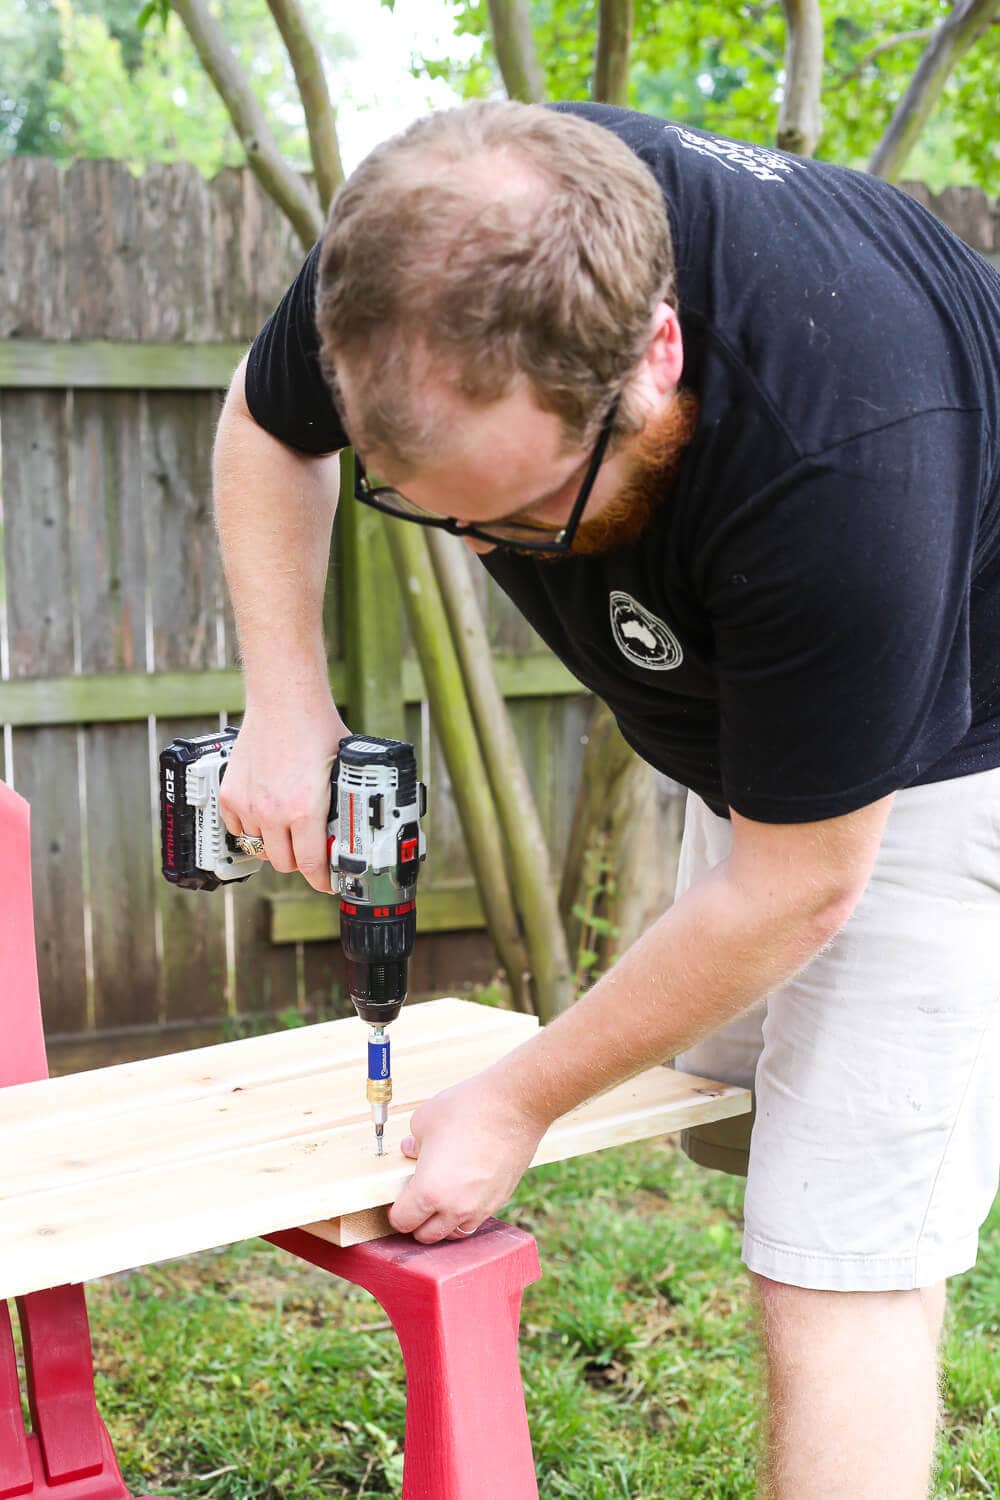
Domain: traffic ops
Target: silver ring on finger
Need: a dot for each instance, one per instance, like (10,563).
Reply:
(251,845)
(463,1231)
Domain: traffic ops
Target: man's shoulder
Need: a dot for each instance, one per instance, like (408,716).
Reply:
(697,148)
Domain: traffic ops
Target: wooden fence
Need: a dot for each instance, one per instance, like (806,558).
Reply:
(125,304)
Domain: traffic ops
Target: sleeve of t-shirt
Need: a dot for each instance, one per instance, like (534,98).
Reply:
(285,389)
(839,598)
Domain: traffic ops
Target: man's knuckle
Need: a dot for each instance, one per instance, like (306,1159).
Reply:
(429,1236)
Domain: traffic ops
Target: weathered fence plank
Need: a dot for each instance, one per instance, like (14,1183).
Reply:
(104,364)
(102,214)
(38,543)
(116,698)
(32,286)
(185,602)
(38,539)
(111,591)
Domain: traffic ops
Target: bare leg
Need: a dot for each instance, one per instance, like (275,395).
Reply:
(934,1300)
(852,1392)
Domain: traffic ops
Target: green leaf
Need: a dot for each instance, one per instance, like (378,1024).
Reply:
(158,9)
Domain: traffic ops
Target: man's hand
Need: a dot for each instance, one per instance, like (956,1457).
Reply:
(474,1143)
(277,786)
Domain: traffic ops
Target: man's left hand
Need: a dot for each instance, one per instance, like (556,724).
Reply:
(474,1143)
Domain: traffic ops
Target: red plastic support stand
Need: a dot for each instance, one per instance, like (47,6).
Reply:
(22,1057)
(456,1310)
(15,1463)
(60,1379)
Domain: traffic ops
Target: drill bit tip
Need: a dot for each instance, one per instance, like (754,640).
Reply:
(379,1141)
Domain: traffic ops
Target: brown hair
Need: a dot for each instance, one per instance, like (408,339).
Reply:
(485,245)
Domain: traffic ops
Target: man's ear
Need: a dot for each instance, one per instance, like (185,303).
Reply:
(665,350)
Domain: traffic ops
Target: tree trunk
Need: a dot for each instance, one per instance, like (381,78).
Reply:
(614,46)
(635,816)
(514,42)
(321,119)
(530,867)
(800,120)
(951,40)
(647,820)
(606,760)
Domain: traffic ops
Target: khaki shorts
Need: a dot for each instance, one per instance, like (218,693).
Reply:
(873,1154)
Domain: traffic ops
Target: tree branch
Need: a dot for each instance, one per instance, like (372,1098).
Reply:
(883,46)
(614,46)
(800,121)
(951,40)
(532,881)
(280,181)
(321,119)
(510,23)
(606,760)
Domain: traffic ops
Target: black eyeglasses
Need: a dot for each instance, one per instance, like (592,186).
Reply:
(502,533)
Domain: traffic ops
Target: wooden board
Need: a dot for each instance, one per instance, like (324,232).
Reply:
(115,1168)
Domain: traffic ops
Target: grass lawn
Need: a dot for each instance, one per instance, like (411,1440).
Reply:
(245,1375)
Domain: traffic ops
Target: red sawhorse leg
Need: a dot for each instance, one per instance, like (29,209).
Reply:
(456,1309)
(68,1453)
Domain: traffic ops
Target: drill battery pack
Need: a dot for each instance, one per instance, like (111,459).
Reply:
(197,851)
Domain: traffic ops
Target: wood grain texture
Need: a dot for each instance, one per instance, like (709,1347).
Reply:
(103,1171)
(353,1229)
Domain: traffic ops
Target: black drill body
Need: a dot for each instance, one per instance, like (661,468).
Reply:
(375,846)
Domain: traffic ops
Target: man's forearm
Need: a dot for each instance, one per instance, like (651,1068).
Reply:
(707,959)
(274,513)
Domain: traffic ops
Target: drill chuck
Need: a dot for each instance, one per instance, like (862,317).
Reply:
(377,949)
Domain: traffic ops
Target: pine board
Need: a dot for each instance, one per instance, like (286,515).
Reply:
(119,1167)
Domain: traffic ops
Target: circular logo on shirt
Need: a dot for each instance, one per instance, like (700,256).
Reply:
(641,637)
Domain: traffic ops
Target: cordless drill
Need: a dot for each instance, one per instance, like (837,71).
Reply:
(375,846)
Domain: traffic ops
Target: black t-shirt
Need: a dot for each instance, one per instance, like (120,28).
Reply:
(813,618)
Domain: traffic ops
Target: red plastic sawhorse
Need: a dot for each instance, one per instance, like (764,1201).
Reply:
(455,1307)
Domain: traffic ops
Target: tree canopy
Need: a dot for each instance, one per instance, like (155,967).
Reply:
(722,66)
(82,78)
(85,78)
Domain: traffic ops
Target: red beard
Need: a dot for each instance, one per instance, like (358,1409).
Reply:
(653,463)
